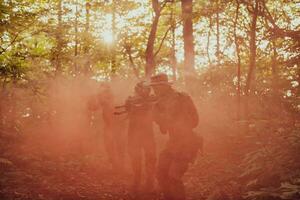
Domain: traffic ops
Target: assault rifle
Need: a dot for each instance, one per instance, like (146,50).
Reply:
(134,101)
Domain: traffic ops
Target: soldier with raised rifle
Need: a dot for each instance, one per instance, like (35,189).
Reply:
(140,135)
(176,115)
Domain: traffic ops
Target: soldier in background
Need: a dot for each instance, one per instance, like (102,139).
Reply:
(112,126)
(141,136)
(176,115)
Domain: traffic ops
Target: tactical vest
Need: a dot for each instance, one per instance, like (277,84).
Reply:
(176,113)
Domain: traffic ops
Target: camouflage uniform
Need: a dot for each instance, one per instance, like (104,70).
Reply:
(112,129)
(141,139)
(175,113)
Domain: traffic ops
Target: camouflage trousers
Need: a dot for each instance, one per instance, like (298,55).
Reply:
(170,171)
(136,148)
(173,162)
(115,147)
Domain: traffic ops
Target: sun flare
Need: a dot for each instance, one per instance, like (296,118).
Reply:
(107,36)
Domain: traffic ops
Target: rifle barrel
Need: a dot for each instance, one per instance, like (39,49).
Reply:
(122,106)
(120,113)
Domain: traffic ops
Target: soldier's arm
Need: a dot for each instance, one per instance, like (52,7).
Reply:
(191,111)
(159,118)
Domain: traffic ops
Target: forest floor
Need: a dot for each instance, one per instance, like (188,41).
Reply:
(61,179)
(27,177)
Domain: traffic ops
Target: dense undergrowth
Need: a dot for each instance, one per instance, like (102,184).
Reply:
(255,159)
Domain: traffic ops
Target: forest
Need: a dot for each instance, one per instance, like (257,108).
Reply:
(239,60)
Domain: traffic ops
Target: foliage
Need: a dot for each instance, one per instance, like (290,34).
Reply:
(251,152)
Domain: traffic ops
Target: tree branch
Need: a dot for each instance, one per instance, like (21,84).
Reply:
(10,44)
(162,41)
(276,29)
(164,37)
(15,38)
(128,51)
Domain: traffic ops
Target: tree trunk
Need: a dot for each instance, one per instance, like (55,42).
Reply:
(208,40)
(237,49)
(76,39)
(252,62)
(114,31)
(218,34)
(87,68)
(58,68)
(2,100)
(189,53)
(274,71)
(173,43)
(87,16)
(150,59)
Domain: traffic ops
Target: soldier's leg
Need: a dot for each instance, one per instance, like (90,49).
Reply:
(119,140)
(135,154)
(177,170)
(163,167)
(109,146)
(150,162)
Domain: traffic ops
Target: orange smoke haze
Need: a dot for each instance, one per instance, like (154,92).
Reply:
(59,122)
